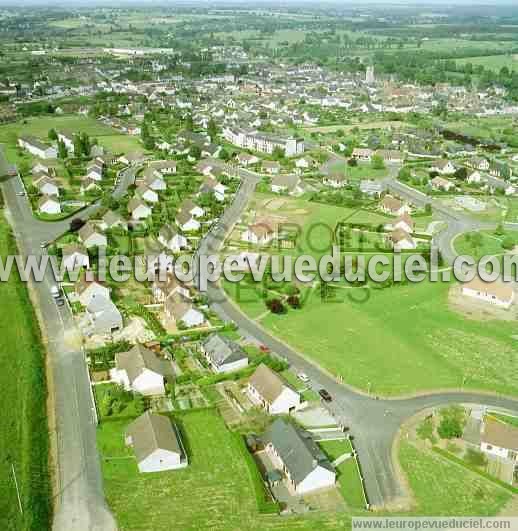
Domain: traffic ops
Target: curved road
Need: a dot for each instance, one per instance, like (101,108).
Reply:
(373,423)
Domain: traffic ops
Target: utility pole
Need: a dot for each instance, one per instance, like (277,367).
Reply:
(17,489)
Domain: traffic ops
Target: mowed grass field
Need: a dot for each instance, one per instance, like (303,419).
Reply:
(108,137)
(23,419)
(445,489)
(399,340)
(492,62)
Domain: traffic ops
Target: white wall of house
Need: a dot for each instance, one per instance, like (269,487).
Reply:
(284,402)
(487,297)
(193,318)
(494,450)
(191,225)
(161,460)
(76,260)
(51,207)
(141,212)
(96,239)
(229,367)
(149,383)
(319,478)
(93,290)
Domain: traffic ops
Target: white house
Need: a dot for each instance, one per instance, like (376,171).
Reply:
(223,354)
(499,439)
(147,194)
(86,290)
(438,183)
(102,316)
(47,186)
(402,240)
(49,205)
(258,234)
(444,167)
(187,222)
(156,443)
(90,236)
(142,371)
(75,256)
(37,148)
(499,293)
(181,311)
(169,237)
(268,390)
(293,451)
(138,209)
(392,205)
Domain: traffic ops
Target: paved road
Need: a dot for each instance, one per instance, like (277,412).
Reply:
(80,505)
(373,423)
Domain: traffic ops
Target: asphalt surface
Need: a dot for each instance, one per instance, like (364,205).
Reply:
(372,422)
(80,504)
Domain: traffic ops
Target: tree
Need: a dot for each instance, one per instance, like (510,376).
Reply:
(76,224)
(461,173)
(293,301)
(377,162)
(275,306)
(508,243)
(405,174)
(224,154)
(352,162)
(52,134)
(212,130)
(278,153)
(452,422)
(195,152)
(62,150)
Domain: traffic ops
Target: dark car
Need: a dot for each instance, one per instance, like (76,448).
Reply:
(325,395)
(60,301)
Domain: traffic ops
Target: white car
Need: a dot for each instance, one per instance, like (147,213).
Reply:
(303,377)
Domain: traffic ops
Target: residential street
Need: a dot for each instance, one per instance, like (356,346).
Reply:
(373,423)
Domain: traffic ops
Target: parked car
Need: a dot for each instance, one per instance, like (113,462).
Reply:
(326,397)
(303,377)
(55,291)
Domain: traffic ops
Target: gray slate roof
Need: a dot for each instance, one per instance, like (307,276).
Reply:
(222,350)
(298,451)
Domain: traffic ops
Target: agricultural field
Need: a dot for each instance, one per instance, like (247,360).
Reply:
(493,62)
(406,330)
(24,433)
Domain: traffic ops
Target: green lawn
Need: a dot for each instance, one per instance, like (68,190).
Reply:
(492,62)
(214,492)
(364,335)
(485,243)
(23,434)
(447,489)
(347,473)
(40,126)
(118,143)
